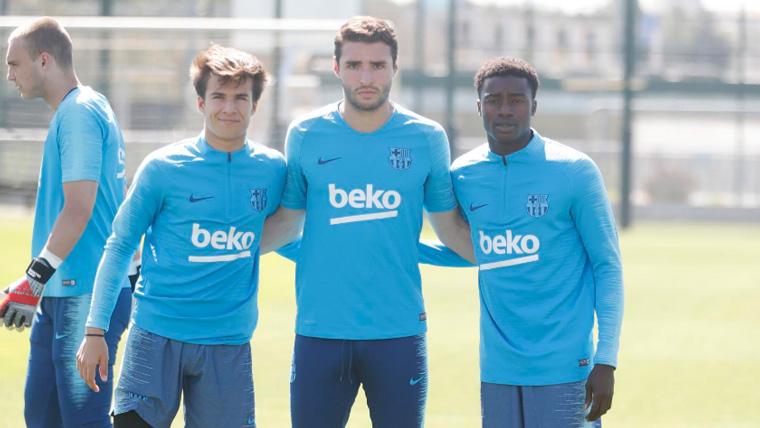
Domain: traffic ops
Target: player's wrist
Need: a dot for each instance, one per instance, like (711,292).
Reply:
(53,260)
(41,269)
(94,332)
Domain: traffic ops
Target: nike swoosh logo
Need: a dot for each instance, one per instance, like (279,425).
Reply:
(60,336)
(413,381)
(476,207)
(321,161)
(194,199)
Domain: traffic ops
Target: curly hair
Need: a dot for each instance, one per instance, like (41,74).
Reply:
(504,66)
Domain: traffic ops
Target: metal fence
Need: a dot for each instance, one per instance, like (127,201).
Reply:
(696,135)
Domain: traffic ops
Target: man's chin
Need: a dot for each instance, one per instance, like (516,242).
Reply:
(367,106)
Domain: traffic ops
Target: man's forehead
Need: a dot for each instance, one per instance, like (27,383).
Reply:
(16,46)
(509,84)
(216,83)
(363,51)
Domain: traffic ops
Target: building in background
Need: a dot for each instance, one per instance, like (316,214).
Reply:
(697,127)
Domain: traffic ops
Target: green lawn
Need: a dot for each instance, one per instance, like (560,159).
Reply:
(690,347)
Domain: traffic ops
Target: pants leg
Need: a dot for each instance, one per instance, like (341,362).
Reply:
(41,408)
(501,406)
(549,406)
(218,386)
(150,383)
(560,406)
(323,384)
(395,377)
(80,406)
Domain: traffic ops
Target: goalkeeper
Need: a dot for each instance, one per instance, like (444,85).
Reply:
(81,185)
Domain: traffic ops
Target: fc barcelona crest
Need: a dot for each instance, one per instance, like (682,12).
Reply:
(401,158)
(259,199)
(537,205)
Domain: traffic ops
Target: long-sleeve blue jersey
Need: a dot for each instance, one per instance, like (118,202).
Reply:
(202,212)
(548,258)
(357,277)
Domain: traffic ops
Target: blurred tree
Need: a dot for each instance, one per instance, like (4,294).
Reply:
(693,47)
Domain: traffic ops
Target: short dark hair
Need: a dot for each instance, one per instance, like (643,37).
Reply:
(46,35)
(504,66)
(229,65)
(366,29)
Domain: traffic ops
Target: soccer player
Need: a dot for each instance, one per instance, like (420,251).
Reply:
(81,185)
(201,204)
(547,251)
(360,171)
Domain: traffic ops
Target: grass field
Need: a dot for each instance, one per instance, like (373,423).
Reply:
(690,354)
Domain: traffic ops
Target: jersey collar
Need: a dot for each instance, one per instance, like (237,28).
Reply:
(533,150)
(205,148)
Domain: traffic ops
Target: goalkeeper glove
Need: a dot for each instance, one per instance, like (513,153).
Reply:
(38,273)
(19,305)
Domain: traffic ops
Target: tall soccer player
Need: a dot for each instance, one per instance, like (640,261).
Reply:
(549,261)
(360,171)
(81,185)
(201,205)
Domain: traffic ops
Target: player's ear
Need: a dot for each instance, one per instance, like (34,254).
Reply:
(336,67)
(534,107)
(254,104)
(44,59)
(477,103)
(201,104)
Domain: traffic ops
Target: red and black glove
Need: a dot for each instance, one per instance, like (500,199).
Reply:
(20,303)
(18,307)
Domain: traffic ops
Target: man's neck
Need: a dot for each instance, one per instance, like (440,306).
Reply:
(506,149)
(59,88)
(363,120)
(223,145)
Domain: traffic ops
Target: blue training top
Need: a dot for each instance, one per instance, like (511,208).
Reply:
(202,213)
(357,277)
(548,255)
(84,143)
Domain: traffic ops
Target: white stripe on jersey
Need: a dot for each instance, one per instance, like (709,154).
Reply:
(510,262)
(223,258)
(364,217)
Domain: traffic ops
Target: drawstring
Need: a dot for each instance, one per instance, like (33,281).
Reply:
(346,352)
(342,360)
(350,361)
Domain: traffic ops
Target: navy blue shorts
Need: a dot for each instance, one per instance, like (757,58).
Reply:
(215,381)
(55,395)
(550,406)
(326,375)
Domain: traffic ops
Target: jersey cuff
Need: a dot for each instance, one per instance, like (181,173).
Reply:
(79,176)
(441,208)
(293,205)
